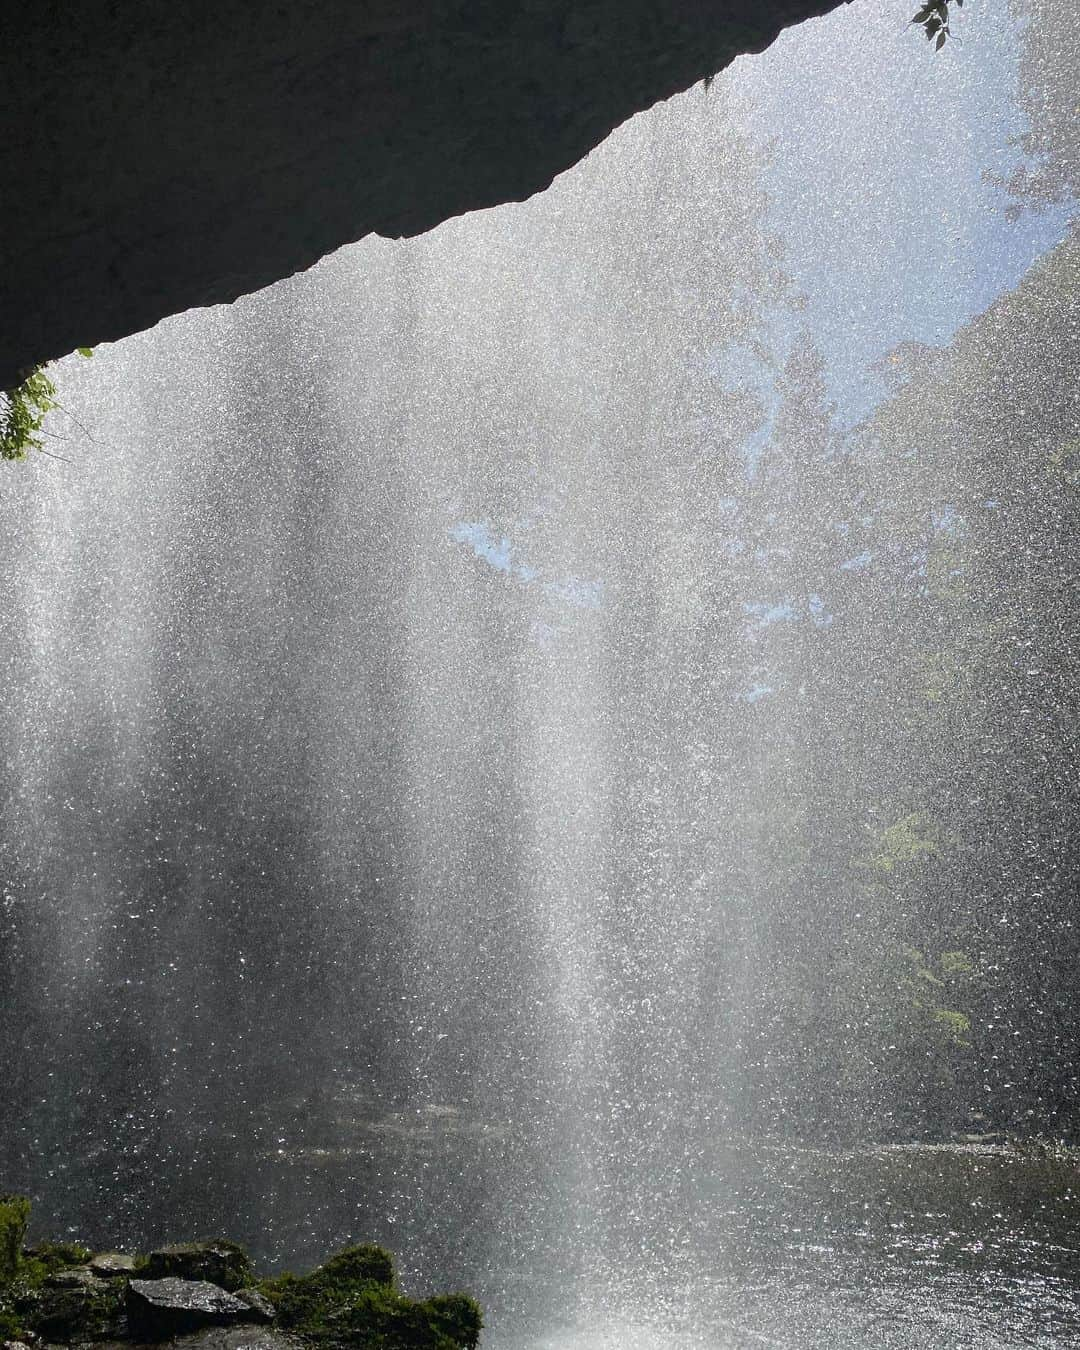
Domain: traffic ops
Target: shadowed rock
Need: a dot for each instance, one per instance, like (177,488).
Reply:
(82,1277)
(14,1212)
(220,1262)
(169,155)
(159,1310)
(223,1338)
(262,1310)
(82,1308)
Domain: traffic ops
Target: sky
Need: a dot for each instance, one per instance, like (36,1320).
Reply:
(882,180)
(884,164)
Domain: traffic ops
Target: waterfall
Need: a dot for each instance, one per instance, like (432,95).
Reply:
(415,771)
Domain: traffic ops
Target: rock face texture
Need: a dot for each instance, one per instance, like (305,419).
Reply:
(112,1265)
(162,156)
(221,1262)
(161,1309)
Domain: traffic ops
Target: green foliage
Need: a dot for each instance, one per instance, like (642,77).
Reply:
(379,1318)
(354,1265)
(933,19)
(956,964)
(53,1256)
(72,1314)
(23,410)
(308,1301)
(909,841)
(925,987)
(456,1316)
(945,572)
(25,1303)
(14,1213)
(1064,462)
(351,1301)
(947,969)
(22,413)
(944,680)
(954,1026)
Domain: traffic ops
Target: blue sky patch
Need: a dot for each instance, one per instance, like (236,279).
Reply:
(495,549)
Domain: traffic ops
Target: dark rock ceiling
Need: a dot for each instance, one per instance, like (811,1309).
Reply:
(160,156)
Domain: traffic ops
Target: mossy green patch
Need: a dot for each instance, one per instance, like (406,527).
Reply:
(348,1303)
(73,1314)
(351,1302)
(309,1302)
(457,1317)
(26,1304)
(382,1319)
(14,1213)
(46,1258)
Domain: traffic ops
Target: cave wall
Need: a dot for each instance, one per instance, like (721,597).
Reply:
(162,156)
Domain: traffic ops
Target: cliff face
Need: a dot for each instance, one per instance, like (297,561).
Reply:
(166,155)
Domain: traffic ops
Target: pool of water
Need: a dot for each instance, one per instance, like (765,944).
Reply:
(947,1248)
(713,1245)
(938,1247)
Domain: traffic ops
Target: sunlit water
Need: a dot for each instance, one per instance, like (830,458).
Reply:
(492,719)
(935,1247)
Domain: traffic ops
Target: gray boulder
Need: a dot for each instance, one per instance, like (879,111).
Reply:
(239,1338)
(81,1277)
(74,1305)
(262,1310)
(112,1265)
(223,1338)
(159,1310)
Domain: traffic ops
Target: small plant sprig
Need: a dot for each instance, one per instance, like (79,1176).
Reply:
(22,412)
(933,19)
(23,409)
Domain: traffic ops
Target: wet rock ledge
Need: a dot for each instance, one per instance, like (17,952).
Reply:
(207,1296)
(177,153)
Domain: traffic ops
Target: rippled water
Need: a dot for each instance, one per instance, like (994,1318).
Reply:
(721,1245)
(936,1247)
(902,1247)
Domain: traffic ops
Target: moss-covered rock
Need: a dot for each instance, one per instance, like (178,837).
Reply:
(51,1257)
(14,1213)
(311,1301)
(86,1311)
(350,1303)
(11,1327)
(457,1317)
(60,1293)
(53,1293)
(219,1261)
(78,1277)
(382,1319)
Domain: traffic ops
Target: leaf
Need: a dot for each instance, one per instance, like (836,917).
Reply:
(923,14)
(932,26)
(85,351)
(941,39)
